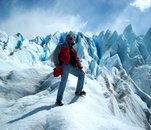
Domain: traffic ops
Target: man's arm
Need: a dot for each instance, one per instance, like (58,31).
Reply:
(77,60)
(56,55)
(79,63)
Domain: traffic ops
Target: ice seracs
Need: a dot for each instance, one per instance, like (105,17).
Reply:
(117,83)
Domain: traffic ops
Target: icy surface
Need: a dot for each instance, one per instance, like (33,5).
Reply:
(117,82)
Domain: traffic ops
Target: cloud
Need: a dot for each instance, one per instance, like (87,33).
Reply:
(41,18)
(141,4)
(140,21)
(45,17)
(41,22)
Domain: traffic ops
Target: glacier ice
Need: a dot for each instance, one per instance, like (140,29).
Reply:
(117,68)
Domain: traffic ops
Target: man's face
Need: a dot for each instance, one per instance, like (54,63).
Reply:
(70,41)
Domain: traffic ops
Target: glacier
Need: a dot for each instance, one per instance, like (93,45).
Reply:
(118,83)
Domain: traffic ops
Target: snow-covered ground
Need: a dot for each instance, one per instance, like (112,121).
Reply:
(102,108)
(114,82)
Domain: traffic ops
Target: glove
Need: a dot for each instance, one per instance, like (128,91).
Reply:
(58,67)
(57,71)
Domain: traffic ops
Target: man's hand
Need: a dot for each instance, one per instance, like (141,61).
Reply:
(57,71)
(81,68)
(58,67)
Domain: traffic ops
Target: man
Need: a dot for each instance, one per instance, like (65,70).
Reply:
(66,59)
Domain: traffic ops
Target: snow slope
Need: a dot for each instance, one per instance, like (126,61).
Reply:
(116,69)
(102,108)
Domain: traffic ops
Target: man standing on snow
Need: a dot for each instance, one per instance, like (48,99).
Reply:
(66,59)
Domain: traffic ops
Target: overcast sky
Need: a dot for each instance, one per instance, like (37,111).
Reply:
(43,17)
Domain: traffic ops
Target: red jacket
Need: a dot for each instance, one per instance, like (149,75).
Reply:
(62,53)
(65,56)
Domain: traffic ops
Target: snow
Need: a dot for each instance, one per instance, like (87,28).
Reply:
(117,83)
(91,112)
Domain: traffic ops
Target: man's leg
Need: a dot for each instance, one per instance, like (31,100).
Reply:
(64,77)
(81,76)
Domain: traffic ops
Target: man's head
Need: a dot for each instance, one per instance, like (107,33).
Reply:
(69,40)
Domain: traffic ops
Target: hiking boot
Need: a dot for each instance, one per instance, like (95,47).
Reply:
(82,93)
(59,103)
